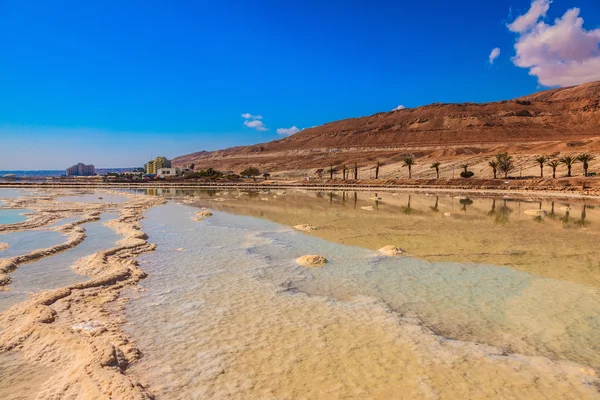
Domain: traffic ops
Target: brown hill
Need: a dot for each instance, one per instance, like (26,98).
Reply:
(565,120)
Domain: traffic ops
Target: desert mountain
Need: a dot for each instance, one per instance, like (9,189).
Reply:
(553,121)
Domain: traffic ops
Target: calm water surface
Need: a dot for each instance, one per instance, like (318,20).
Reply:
(56,271)
(474,282)
(25,242)
(13,216)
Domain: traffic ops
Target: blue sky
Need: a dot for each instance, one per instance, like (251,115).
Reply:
(116,82)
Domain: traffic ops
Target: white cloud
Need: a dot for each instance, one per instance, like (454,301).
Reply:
(256,124)
(400,107)
(287,131)
(250,116)
(558,54)
(524,22)
(494,54)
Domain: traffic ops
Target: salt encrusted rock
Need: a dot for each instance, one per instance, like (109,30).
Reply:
(312,261)
(305,227)
(4,246)
(204,214)
(391,251)
(91,328)
(367,208)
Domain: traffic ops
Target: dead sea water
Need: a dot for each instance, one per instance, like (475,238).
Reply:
(494,297)
(227,312)
(56,271)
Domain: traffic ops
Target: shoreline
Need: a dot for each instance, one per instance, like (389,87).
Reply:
(522,188)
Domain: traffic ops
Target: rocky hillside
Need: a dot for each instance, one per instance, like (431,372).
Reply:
(565,120)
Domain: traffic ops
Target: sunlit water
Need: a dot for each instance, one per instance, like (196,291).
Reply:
(56,271)
(187,332)
(10,193)
(227,313)
(63,221)
(12,216)
(97,197)
(25,242)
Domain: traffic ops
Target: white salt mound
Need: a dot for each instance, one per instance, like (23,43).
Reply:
(203,214)
(312,261)
(305,227)
(391,251)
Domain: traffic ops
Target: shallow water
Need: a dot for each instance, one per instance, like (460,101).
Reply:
(55,271)
(220,299)
(489,302)
(10,193)
(560,244)
(63,221)
(97,197)
(13,216)
(25,242)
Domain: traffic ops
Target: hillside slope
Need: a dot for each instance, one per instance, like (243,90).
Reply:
(559,120)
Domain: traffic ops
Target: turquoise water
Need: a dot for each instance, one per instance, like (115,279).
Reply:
(25,242)
(13,216)
(55,271)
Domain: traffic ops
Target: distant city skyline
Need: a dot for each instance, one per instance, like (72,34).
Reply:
(115,84)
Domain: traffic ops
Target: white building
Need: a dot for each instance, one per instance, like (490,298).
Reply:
(81,170)
(168,172)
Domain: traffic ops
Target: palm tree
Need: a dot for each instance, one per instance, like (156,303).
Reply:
(568,161)
(377,171)
(355,171)
(436,166)
(505,163)
(465,167)
(494,165)
(554,164)
(409,162)
(541,160)
(585,158)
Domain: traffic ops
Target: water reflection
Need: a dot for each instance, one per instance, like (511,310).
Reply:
(437,227)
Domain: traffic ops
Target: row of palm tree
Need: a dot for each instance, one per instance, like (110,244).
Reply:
(568,161)
(503,162)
